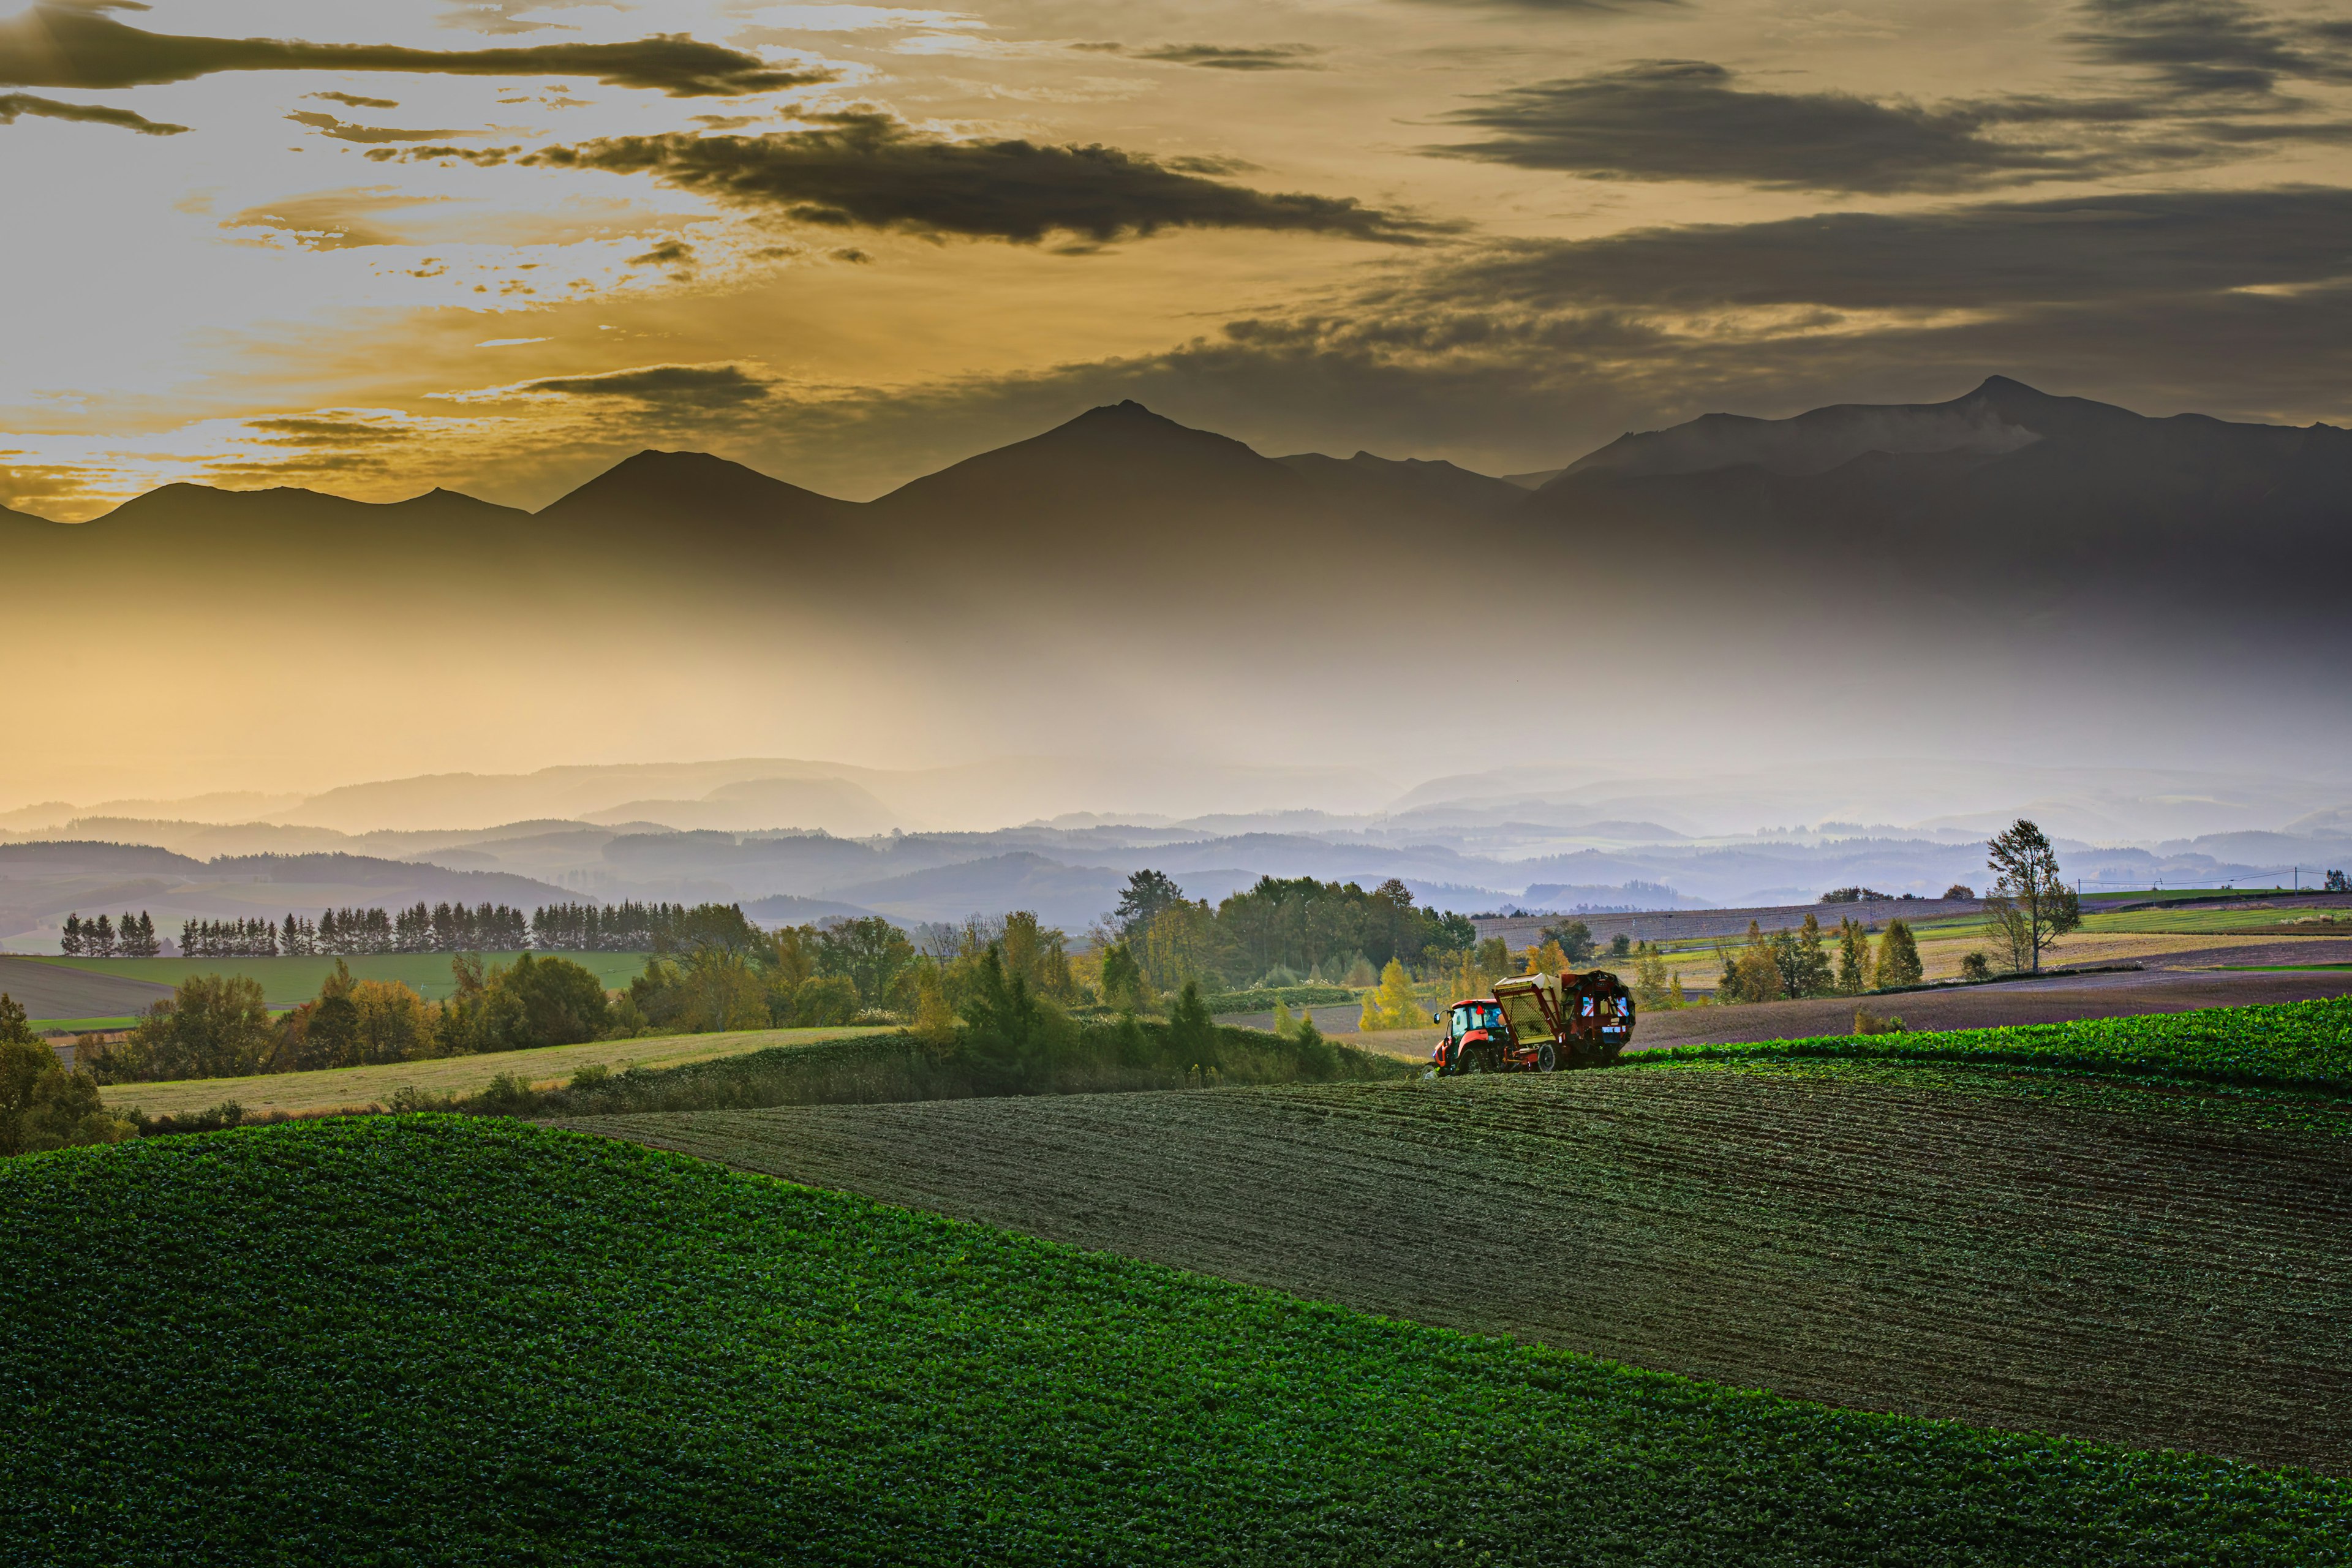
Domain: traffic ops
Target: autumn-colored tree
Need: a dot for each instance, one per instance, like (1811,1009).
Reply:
(1753,972)
(1854,957)
(1396,1004)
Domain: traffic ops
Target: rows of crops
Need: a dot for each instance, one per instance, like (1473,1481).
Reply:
(416,1339)
(2135,1262)
(2287,1044)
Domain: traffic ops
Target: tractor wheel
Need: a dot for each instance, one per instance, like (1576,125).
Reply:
(1470,1061)
(1545,1060)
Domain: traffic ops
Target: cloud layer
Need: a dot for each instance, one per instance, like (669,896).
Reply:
(54,46)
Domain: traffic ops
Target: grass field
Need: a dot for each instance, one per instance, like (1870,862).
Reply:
(353,1088)
(2263,920)
(2151,1260)
(290,981)
(416,1339)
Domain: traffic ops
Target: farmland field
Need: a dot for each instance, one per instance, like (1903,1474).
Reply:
(290,981)
(407,1340)
(356,1089)
(2149,1262)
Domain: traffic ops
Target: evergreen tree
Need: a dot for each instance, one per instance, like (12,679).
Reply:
(70,944)
(1854,957)
(1898,957)
(99,942)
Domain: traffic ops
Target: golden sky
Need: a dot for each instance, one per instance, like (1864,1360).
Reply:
(371,248)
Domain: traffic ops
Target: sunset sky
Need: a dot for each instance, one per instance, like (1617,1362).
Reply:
(373,248)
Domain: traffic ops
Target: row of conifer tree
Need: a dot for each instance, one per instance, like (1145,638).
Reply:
(101,938)
(439,927)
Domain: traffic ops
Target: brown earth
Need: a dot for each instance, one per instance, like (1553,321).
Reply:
(2138,1264)
(2049,1001)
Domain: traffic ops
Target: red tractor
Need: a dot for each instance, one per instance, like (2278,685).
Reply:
(1537,1023)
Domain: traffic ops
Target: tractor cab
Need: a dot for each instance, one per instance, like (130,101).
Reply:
(1537,1022)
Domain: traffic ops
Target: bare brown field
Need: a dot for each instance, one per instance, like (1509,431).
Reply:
(2139,1264)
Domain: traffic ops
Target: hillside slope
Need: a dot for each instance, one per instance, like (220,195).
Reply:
(1898,1223)
(410,1339)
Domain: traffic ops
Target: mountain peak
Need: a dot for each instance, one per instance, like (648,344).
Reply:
(699,484)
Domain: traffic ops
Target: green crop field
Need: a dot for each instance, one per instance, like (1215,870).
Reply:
(2248,920)
(290,981)
(356,1089)
(2129,1253)
(413,1340)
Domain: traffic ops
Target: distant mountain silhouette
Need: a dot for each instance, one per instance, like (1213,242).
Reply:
(1411,485)
(2006,491)
(717,502)
(2061,498)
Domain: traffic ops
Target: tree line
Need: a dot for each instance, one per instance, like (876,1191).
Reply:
(219,1025)
(420,928)
(1280,932)
(101,938)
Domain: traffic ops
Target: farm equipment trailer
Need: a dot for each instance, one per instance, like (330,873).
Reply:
(1537,1022)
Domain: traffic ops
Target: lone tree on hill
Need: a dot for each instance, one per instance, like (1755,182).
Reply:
(2029,906)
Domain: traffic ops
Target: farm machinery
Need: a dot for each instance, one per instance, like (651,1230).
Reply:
(1537,1022)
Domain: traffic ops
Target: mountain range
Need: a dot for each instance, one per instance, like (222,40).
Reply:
(2004,486)
(2009,575)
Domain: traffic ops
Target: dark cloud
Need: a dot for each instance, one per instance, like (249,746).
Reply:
(1689,120)
(675,386)
(327,431)
(328,125)
(1220,56)
(2123,251)
(2213,47)
(54,46)
(352,101)
(1684,120)
(13,104)
(869,171)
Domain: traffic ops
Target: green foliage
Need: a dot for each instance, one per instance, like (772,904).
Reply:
(42,1105)
(2291,1044)
(1803,963)
(873,955)
(1976,966)
(1575,939)
(1262,1000)
(1855,963)
(532,1002)
(1123,984)
(1148,894)
(2029,905)
(1898,958)
(825,1001)
(1752,973)
(419,1339)
(213,1025)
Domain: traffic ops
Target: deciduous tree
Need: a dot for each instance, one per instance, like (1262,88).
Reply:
(2030,905)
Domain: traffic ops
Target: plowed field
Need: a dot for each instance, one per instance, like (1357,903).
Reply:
(2147,1264)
